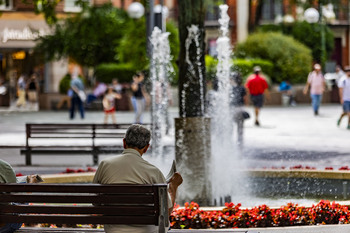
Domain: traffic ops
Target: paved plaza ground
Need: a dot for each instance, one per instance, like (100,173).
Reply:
(288,136)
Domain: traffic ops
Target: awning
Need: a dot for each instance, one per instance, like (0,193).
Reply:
(21,33)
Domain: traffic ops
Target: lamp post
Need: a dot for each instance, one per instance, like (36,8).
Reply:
(311,15)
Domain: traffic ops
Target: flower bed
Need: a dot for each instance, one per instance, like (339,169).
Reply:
(232,216)
(301,167)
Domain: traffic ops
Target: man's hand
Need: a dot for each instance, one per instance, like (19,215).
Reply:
(176,179)
(34,179)
(174,182)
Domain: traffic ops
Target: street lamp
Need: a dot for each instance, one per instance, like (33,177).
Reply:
(313,16)
(136,10)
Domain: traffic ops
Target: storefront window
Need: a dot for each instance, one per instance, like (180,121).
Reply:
(271,9)
(6,5)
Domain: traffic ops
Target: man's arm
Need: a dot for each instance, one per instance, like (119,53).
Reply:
(174,183)
(306,88)
(267,94)
(341,90)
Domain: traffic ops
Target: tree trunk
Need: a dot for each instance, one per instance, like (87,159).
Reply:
(192,135)
(192,70)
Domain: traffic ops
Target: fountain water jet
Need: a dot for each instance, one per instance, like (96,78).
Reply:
(226,162)
(161,70)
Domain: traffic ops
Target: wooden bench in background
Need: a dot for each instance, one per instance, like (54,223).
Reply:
(84,204)
(64,138)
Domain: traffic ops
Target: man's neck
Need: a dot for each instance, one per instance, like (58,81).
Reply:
(137,149)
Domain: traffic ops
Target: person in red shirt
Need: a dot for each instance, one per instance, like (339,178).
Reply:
(257,87)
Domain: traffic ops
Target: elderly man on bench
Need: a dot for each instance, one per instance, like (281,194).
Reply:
(131,168)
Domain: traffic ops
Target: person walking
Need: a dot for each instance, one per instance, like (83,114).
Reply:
(258,89)
(238,98)
(33,90)
(79,96)
(139,96)
(317,85)
(21,91)
(109,104)
(344,94)
(131,168)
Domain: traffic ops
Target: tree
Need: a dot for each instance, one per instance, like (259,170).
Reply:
(191,58)
(88,37)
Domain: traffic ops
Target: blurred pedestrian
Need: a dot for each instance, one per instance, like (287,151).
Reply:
(258,89)
(99,90)
(109,104)
(33,90)
(139,96)
(317,85)
(117,87)
(21,91)
(286,90)
(344,94)
(238,98)
(78,98)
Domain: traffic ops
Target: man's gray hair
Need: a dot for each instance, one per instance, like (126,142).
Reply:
(137,136)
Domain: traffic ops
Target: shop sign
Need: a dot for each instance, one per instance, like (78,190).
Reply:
(18,34)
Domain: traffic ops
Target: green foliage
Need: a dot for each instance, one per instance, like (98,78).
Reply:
(103,35)
(132,49)
(292,60)
(308,34)
(123,72)
(64,84)
(244,66)
(210,67)
(88,37)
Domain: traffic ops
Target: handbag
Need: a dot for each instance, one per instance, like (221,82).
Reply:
(245,115)
(82,95)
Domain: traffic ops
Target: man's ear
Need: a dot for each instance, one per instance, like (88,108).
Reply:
(124,143)
(145,148)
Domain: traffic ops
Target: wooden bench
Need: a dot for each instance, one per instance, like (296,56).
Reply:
(84,204)
(73,139)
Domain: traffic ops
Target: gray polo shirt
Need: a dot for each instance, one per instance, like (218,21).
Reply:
(129,168)
(7,174)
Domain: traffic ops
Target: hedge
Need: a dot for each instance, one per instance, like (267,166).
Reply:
(244,66)
(292,60)
(107,72)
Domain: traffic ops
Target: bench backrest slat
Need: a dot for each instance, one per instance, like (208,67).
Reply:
(66,198)
(53,209)
(78,188)
(84,219)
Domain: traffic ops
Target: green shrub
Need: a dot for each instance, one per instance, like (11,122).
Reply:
(292,60)
(308,34)
(244,66)
(123,72)
(64,85)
